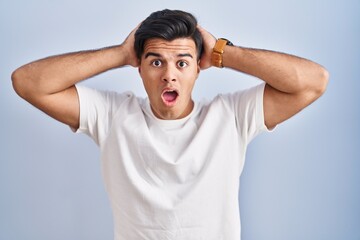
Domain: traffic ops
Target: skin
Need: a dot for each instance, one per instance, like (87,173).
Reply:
(292,83)
(170,66)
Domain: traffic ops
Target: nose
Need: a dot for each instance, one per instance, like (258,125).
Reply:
(169,74)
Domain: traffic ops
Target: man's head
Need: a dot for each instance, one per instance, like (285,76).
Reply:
(168,25)
(168,45)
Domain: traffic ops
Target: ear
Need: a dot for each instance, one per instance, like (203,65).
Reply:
(198,67)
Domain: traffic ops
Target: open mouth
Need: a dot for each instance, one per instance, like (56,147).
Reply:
(169,96)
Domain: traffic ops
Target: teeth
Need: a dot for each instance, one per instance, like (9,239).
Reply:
(170,91)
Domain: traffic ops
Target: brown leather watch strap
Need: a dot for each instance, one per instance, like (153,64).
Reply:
(218,50)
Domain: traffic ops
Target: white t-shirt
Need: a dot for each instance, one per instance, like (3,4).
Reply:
(173,179)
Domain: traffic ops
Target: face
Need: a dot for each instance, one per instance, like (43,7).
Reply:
(169,70)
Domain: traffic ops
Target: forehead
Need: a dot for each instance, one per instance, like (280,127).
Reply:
(163,47)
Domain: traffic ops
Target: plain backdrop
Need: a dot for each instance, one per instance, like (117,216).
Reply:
(299,182)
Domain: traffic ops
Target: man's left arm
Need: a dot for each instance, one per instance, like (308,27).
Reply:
(292,83)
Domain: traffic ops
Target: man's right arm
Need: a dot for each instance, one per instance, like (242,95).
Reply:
(49,84)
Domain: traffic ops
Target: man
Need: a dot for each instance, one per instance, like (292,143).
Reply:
(171,166)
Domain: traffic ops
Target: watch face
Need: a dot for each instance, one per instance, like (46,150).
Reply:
(228,42)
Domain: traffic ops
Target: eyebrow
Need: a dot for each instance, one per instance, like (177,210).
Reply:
(159,55)
(185,55)
(152,54)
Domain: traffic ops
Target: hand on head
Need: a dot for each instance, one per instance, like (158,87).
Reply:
(208,44)
(128,45)
(205,60)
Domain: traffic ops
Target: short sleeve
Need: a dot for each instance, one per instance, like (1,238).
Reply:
(97,109)
(248,108)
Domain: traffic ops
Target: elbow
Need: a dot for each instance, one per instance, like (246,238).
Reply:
(321,82)
(318,85)
(17,81)
(314,81)
(20,82)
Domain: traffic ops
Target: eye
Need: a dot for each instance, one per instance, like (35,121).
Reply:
(156,63)
(182,64)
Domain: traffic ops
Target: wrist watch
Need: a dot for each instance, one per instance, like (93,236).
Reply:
(218,50)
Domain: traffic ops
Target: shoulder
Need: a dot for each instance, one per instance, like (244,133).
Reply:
(102,101)
(88,95)
(244,94)
(235,99)
(86,92)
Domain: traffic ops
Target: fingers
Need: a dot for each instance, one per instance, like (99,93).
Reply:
(208,38)
(128,44)
(208,44)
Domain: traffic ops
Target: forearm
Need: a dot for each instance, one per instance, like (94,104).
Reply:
(286,73)
(57,73)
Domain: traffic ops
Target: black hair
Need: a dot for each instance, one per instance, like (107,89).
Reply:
(169,25)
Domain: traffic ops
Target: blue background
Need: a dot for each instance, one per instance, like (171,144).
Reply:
(299,182)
